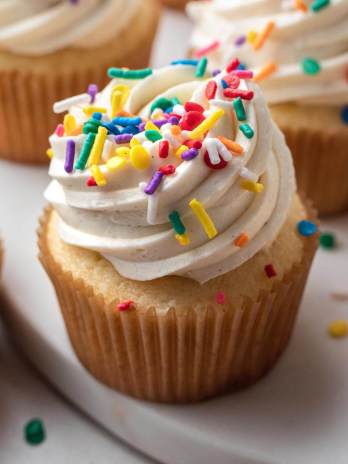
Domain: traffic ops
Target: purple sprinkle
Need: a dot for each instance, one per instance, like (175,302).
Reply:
(173,120)
(190,154)
(123,138)
(69,156)
(92,91)
(159,122)
(240,40)
(141,126)
(216,72)
(154,183)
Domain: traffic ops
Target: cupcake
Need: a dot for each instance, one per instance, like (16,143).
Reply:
(174,238)
(52,49)
(299,54)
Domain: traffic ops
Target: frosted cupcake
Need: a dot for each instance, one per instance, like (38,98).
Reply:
(175,239)
(299,52)
(52,49)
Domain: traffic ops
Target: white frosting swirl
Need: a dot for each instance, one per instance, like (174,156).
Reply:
(35,27)
(113,219)
(321,35)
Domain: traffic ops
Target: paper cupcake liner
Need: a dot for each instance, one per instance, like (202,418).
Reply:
(177,356)
(321,165)
(27,96)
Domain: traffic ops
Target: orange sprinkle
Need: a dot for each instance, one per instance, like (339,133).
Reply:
(266,71)
(175,130)
(124,113)
(263,36)
(241,240)
(300,5)
(231,145)
(77,130)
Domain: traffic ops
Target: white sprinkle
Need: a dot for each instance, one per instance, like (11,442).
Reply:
(247,174)
(224,153)
(211,147)
(179,109)
(65,105)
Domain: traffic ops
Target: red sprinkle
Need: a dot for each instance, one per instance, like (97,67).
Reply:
(233,64)
(163,149)
(207,161)
(192,106)
(232,80)
(191,120)
(125,305)
(270,271)
(91,182)
(220,298)
(243,94)
(168,169)
(210,90)
(59,130)
(193,144)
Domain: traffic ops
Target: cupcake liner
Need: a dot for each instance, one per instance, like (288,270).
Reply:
(321,165)
(178,356)
(28,93)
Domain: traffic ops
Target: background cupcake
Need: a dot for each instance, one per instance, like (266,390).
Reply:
(52,49)
(299,52)
(177,245)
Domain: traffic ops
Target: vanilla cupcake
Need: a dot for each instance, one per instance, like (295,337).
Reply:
(175,240)
(52,49)
(299,53)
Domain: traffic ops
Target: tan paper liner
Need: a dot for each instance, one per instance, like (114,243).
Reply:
(178,356)
(27,96)
(321,165)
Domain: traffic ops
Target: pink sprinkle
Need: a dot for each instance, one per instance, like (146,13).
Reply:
(125,305)
(209,48)
(232,65)
(221,298)
(59,130)
(244,74)
(270,271)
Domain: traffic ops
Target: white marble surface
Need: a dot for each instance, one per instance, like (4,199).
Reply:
(297,415)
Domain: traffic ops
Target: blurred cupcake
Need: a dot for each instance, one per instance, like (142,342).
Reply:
(175,240)
(179,4)
(51,49)
(299,53)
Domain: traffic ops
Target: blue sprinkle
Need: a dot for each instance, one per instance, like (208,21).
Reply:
(242,66)
(224,84)
(344,114)
(169,110)
(185,62)
(307,228)
(110,127)
(97,116)
(124,121)
(130,130)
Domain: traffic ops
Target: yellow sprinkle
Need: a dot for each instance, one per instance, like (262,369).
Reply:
(204,218)
(116,103)
(263,36)
(266,71)
(157,114)
(151,126)
(49,153)
(89,110)
(338,329)
(251,36)
(97,149)
(207,124)
(69,124)
(134,142)
(180,151)
(140,157)
(123,152)
(115,163)
(77,130)
(255,187)
(183,239)
(98,176)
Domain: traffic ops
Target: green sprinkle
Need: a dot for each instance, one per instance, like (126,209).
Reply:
(201,67)
(176,222)
(34,432)
(317,5)
(175,101)
(162,103)
(153,135)
(239,109)
(310,66)
(91,126)
(129,73)
(327,240)
(247,131)
(85,151)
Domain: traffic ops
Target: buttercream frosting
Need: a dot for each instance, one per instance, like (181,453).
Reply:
(131,227)
(35,27)
(320,35)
